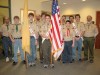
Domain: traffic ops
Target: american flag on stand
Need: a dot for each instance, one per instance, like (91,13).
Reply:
(55,33)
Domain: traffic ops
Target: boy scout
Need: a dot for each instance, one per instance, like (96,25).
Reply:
(17,40)
(46,44)
(79,31)
(68,35)
(5,30)
(40,20)
(33,28)
(89,39)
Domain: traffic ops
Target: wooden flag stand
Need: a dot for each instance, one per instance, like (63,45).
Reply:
(26,65)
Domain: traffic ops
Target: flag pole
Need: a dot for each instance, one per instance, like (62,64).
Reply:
(26,60)
(25,33)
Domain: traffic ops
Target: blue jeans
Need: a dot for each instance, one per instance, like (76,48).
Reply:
(6,45)
(31,57)
(78,44)
(67,52)
(18,44)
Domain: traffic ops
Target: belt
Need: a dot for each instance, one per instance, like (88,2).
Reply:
(31,36)
(5,36)
(77,36)
(88,37)
(18,38)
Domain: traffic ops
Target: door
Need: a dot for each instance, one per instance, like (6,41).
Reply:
(97,44)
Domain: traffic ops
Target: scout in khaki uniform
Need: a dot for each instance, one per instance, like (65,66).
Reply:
(17,40)
(79,31)
(33,28)
(5,30)
(68,35)
(89,39)
(40,20)
(46,44)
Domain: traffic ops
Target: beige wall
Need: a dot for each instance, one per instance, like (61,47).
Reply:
(16,5)
(83,9)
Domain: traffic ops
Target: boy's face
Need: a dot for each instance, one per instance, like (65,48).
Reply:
(16,20)
(77,18)
(31,17)
(67,23)
(48,19)
(6,20)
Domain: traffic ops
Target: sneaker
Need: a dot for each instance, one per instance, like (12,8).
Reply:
(41,61)
(91,61)
(33,64)
(7,59)
(45,66)
(24,62)
(30,64)
(85,59)
(52,65)
(14,63)
(73,60)
(80,60)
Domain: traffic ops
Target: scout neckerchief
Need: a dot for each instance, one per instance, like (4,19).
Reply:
(16,27)
(7,27)
(68,32)
(88,23)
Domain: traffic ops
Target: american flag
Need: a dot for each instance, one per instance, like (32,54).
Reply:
(55,34)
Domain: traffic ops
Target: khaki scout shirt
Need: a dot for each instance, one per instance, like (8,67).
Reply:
(42,22)
(5,31)
(90,30)
(34,27)
(45,29)
(71,34)
(80,28)
(15,33)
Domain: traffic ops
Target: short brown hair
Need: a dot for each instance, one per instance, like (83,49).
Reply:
(30,14)
(47,15)
(77,15)
(16,17)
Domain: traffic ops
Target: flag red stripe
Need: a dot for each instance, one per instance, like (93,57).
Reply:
(54,36)
(57,27)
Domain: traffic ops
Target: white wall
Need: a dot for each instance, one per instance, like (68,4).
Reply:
(83,9)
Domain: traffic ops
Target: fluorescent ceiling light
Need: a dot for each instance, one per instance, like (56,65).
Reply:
(83,0)
(64,3)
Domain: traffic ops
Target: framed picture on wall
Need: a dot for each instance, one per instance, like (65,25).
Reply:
(29,11)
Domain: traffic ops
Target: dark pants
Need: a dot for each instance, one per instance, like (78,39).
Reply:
(6,45)
(40,50)
(46,48)
(67,52)
(89,46)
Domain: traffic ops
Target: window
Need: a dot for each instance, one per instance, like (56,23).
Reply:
(5,9)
